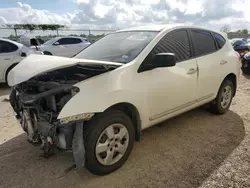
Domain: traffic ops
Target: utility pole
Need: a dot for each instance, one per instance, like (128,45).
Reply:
(15,29)
(89,36)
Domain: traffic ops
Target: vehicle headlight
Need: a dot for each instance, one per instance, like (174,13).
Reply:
(85,116)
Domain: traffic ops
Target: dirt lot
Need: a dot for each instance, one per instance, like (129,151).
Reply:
(196,149)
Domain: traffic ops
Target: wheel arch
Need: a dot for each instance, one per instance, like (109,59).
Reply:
(8,70)
(131,111)
(233,78)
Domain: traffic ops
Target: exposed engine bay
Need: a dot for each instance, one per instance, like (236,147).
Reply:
(38,102)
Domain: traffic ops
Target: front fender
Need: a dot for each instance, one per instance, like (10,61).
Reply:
(94,102)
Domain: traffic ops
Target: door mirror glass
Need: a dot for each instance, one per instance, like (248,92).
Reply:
(164,60)
(56,43)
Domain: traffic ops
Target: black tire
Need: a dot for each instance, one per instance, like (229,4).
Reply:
(47,53)
(244,71)
(93,130)
(215,106)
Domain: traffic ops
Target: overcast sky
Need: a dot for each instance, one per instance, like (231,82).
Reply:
(114,14)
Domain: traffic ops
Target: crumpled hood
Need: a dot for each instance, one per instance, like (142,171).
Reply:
(34,65)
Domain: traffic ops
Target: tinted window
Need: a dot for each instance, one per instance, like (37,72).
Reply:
(203,42)
(65,41)
(219,39)
(7,47)
(176,42)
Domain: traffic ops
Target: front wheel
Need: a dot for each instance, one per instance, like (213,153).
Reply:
(224,98)
(108,142)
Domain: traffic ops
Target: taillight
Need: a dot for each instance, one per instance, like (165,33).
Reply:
(238,55)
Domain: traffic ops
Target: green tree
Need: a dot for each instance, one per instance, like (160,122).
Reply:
(83,35)
(32,27)
(244,31)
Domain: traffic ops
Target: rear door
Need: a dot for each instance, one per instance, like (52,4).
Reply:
(211,55)
(80,44)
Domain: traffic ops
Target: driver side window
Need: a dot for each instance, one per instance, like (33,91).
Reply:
(176,42)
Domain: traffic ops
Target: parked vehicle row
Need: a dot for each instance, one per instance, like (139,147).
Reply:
(98,102)
(11,52)
(64,46)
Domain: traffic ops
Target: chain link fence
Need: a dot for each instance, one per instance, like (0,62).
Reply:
(91,34)
(232,35)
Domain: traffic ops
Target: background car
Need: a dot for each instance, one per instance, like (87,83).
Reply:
(64,46)
(240,46)
(11,53)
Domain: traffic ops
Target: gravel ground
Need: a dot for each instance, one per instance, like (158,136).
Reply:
(196,149)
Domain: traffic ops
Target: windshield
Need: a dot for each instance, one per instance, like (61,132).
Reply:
(121,47)
(51,41)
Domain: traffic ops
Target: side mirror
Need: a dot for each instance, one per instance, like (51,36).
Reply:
(164,60)
(56,43)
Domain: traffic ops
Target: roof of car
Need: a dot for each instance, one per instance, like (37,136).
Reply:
(11,41)
(165,27)
(70,37)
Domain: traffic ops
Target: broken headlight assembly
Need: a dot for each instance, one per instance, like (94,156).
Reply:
(85,117)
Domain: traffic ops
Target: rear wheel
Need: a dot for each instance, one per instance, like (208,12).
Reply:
(224,98)
(109,141)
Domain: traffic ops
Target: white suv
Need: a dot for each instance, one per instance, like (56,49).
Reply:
(64,46)
(98,102)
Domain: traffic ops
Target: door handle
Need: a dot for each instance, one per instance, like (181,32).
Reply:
(223,62)
(7,58)
(192,71)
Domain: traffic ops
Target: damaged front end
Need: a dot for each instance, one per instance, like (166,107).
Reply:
(38,102)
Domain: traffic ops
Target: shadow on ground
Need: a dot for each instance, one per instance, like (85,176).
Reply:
(246,76)
(181,152)
(4,89)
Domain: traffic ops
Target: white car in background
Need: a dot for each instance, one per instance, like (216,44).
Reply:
(11,53)
(64,46)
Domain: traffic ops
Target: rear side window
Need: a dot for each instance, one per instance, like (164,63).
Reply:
(7,47)
(176,42)
(219,39)
(65,41)
(203,42)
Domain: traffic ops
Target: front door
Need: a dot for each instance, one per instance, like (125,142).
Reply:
(171,88)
